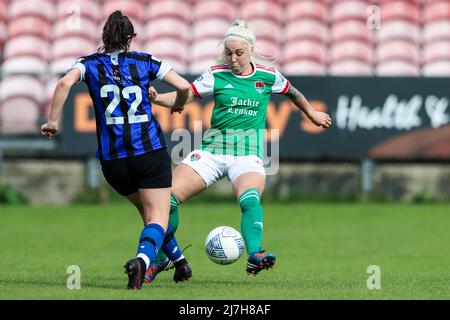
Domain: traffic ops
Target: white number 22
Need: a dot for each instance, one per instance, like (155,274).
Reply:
(132,117)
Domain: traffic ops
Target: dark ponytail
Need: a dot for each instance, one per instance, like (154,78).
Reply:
(117,33)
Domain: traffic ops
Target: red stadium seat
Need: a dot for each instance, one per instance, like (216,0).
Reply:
(436,10)
(206,9)
(353,50)
(3,11)
(208,48)
(436,50)
(306,29)
(41,8)
(437,69)
(351,29)
(165,48)
(72,47)
(349,9)
(177,9)
(135,10)
(3,33)
(209,28)
(304,67)
(262,9)
(414,2)
(400,30)
(265,29)
(436,30)
(79,9)
(181,67)
(307,9)
(167,27)
(369,2)
(197,67)
(81,27)
(27,46)
(19,115)
(398,50)
(30,25)
(24,65)
(397,68)
(399,9)
(267,48)
(305,49)
(22,86)
(350,68)
(61,65)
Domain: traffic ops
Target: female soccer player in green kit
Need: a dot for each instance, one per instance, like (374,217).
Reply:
(234,145)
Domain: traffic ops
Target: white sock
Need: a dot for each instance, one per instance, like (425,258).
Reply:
(145,258)
(181,257)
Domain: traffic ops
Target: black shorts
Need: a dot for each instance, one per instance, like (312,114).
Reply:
(148,171)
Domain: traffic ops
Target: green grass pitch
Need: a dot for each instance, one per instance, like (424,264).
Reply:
(323,252)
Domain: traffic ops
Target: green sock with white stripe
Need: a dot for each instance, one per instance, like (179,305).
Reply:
(173,215)
(252,220)
(173,222)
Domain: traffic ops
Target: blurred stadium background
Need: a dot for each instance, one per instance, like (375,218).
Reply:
(381,68)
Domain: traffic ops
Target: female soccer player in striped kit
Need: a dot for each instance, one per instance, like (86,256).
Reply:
(131,146)
(241,89)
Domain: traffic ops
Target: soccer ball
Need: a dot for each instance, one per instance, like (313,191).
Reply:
(224,245)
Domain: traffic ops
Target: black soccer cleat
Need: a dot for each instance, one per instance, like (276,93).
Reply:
(182,272)
(135,269)
(260,261)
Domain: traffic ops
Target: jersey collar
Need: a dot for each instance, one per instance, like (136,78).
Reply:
(114,56)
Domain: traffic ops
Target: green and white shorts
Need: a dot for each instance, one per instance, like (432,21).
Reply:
(213,167)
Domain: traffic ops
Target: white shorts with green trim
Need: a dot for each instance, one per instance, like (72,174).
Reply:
(213,167)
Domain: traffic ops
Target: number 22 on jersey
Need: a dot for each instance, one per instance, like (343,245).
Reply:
(126,92)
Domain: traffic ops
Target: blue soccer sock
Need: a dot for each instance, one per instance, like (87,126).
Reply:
(150,242)
(170,246)
(173,223)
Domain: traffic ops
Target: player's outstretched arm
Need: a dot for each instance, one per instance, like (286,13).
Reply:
(320,119)
(167,99)
(50,129)
(183,88)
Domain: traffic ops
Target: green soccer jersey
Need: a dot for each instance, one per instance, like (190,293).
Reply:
(238,121)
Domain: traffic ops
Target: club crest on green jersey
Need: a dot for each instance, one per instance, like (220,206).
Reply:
(195,157)
(259,86)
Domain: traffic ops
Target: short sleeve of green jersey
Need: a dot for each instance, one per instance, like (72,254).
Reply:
(281,84)
(203,86)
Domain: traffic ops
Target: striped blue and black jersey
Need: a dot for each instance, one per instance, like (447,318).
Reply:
(118,83)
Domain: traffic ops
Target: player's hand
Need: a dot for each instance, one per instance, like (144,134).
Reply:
(49,130)
(320,119)
(152,93)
